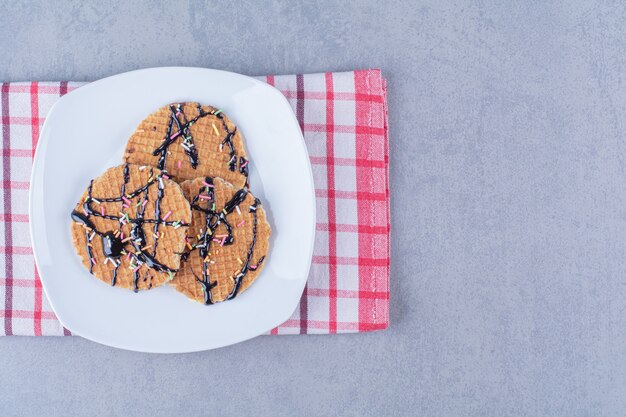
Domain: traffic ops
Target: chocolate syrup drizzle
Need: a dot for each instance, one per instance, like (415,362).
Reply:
(112,245)
(178,118)
(213,219)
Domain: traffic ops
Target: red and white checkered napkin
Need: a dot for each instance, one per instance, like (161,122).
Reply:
(344,120)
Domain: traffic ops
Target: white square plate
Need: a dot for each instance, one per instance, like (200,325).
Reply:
(86,132)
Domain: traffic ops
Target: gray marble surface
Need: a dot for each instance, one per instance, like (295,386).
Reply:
(508,209)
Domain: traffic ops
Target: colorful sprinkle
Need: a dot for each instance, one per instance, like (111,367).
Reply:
(102,210)
(128,255)
(238,211)
(166,177)
(144,203)
(167,215)
(240,261)
(217,132)
(204,197)
(207,184)
(135,270)
(217,112)
(241,223)
(243,165)
(175,135)
(93,261)
(95,201)
(126,200)
(125,205)
(180,163)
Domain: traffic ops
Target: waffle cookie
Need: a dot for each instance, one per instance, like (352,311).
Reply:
(189,140)
(129,227)
(228,241)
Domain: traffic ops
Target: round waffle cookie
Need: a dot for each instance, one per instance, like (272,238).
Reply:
(129,227)
(228,241)
(189,140)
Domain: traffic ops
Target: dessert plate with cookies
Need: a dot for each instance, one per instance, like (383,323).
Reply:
(172,209)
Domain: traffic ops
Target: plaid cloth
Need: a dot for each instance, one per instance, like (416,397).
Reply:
(344,120)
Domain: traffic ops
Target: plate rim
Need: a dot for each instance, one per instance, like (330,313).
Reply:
(36,166)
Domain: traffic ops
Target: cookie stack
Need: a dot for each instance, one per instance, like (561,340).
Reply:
(178,211)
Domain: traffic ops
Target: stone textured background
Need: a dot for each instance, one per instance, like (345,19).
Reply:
(508,209)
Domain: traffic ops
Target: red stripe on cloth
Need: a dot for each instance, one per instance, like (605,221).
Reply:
(22,121)
(322,292)
(306,127)
(14,250)
(368,253)
(385,306)
(358,129)
(17,152)
(34,113)
(19,218)
(38,302)
(362,196)
(345,326)
(348,162)
(332,214)
(44,89)
(26,314)
(349,260)
(16,185)
(353,228)
(304,310)
(8,229)
(19,282)
(320,95)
